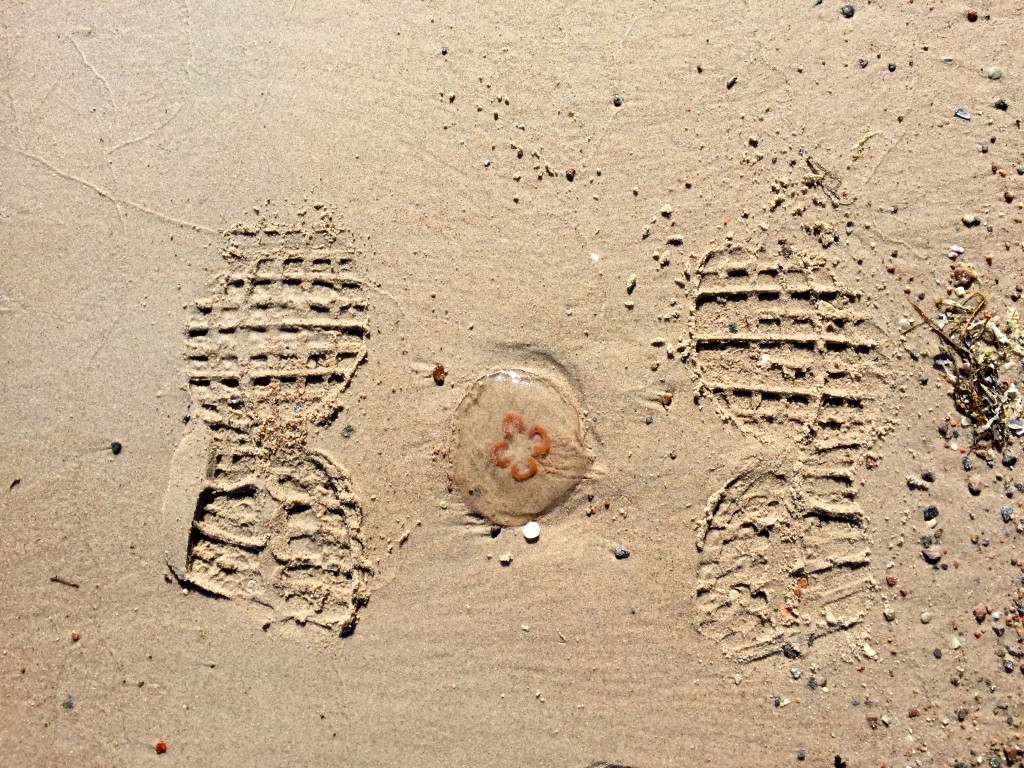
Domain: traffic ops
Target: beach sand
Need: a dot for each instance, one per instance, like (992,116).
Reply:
(239,239)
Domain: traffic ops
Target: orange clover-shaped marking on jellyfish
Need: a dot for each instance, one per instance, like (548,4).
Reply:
(521,467)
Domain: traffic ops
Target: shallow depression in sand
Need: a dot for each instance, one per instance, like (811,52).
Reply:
(517,449)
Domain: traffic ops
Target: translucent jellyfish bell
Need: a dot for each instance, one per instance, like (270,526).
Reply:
(517,449)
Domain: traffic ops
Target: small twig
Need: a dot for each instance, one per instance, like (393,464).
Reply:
(960,350)
(65,582)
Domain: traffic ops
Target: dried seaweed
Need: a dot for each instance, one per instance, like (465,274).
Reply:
(982,354)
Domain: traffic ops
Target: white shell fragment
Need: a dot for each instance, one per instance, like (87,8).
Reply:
(531,531)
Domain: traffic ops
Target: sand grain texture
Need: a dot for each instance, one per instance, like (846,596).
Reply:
(714,274)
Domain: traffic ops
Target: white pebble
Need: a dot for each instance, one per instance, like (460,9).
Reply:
(531,531)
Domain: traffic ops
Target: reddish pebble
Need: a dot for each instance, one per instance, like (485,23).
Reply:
(974,486)
(75,635)
(980,611)
(913,712)
(160,747)
(1008,196)
(439,374)
(890,580)
(972,14)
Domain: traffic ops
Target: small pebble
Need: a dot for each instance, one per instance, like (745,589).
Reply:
(115,448)
(801,755)
(1009,458)
(926,618)
(931,555)
(868,651)
(847,11)
(972,14)
(954,643)
(862,63)
(621,553)
(931,512)
(1006,513)
(75,636)
(790,652)
(889,613)
(1007,665)
(928,475)
(730,82)
(505,559)
(974,486)
(892,67)
(531,531)
(1001,105)
(937,653)
(980,611)
(967,464)
(963,114)
(617,100)
(794,673)
(994,73)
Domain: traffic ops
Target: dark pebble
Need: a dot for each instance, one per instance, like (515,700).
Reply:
(115,448)
(1007,665)
(444,51)
(968,465)
(931,512)
(649,420)
(621,553)
(812,684)
(937,653)
(731,82)
(862,63)
(495,531)
(1002,105)
(847,11)
(1009,458)
(347,430)
(1006,513)
(892,67)
(617,100)
(186,419)
(801,755)
(928,475)
(790,652)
